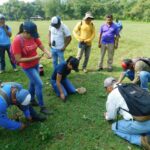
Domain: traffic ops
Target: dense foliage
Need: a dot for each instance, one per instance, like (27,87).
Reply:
(75,9)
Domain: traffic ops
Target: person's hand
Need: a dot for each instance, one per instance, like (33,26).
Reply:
(63,49)
(23,126)
(86,41)
(116,46)
(48,55)
(104,114)
(99,45)
(29,119)
(49,44)
(62,96)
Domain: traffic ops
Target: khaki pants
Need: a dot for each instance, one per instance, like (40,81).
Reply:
(110,50)
(86,50)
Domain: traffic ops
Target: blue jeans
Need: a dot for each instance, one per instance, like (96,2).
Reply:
(57,54)
(2,57)
(36,84)
(144,79)
(131,130)
(66,85)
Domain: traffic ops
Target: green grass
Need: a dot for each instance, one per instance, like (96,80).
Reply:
(77,124)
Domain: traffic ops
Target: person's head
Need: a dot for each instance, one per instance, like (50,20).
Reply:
(20,29)
(127,64)
(30,30)
(22,96)
(56,22)
(2,19)
(109,84)
(109,19)
(73,63)
(88,17)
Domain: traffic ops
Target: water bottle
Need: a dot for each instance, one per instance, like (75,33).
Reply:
(41,70)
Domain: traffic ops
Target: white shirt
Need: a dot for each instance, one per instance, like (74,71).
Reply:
(113,103)
(58,35)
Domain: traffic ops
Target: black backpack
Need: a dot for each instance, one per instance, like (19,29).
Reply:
(145,59)
(137,99)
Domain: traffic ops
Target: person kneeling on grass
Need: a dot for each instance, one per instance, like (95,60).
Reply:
(132,103)
(61,85)
(12,93)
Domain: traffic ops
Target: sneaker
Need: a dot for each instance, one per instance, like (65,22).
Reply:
(110,69)
(1,71)
(38,117)
(84,70)
(34,103)
(45,111)
(145,140)
(100,69)
(15,70)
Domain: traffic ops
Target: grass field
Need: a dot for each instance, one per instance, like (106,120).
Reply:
(77,124)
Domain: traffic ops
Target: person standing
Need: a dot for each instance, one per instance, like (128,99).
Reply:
(84,32)
(5,34)
(59,39)
(108,40)
(24,48)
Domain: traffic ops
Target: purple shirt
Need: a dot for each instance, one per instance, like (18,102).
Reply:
(108,33)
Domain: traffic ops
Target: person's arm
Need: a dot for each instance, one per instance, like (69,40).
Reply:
(58,82)
(122,76)
(117,36)
(8,31)
(67,41)
(92,35)
(111,108)
(49,38)
(76,32)
(99,40)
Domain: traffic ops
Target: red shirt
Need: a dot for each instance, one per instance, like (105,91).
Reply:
(26,48)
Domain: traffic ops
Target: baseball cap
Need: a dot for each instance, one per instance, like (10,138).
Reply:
(88,15)
(31,28)
(2,16)
(23,97)
(75,63)
(55,21)
(109,81)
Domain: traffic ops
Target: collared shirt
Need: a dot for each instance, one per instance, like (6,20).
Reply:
(58,36)
(4,38)
(62,70)
(108,33)
(84,32)
(114,102)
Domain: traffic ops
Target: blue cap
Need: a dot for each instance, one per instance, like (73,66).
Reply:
(31,28)
(23,97)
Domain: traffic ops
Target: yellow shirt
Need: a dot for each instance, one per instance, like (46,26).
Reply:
(84,32)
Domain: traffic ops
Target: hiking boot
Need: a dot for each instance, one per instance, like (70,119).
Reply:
(34,102)
(100,69)
(145,141)
(45,111)
(38,117)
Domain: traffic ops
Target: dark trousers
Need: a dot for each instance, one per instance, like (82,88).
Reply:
(2,57)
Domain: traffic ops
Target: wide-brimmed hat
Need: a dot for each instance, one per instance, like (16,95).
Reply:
(31,28)
(109,81)
(88,15)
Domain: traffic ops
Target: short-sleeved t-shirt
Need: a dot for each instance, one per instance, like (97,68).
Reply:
(58,35)
(108,33)
(62,70)
(4,38)
(27,48)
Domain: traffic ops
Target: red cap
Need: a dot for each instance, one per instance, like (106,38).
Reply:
(124,65)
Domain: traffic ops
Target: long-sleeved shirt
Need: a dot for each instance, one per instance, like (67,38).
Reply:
(114,102)
(84,32)
(140,66)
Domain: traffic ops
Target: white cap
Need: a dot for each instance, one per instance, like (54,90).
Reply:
(26,100)
(2,16)
(88,15)
(55,20)
(109,81)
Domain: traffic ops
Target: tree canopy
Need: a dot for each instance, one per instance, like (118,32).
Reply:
(75,9)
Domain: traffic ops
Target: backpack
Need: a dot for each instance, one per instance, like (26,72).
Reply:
(12,52)
(137,100)
(145,59)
